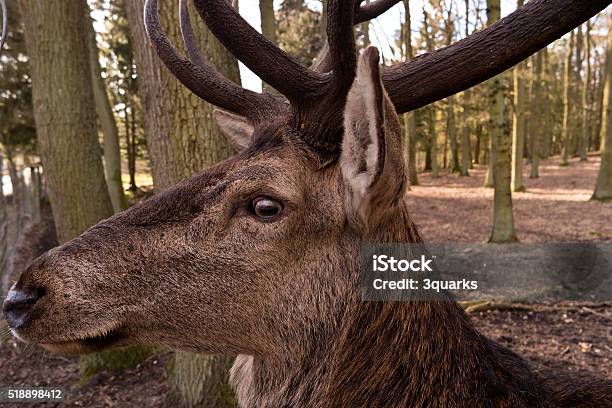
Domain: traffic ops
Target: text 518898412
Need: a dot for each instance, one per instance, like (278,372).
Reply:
(33,394)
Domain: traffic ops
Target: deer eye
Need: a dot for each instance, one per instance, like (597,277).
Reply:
(266,208)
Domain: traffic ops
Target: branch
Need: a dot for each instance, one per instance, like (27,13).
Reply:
(437,75)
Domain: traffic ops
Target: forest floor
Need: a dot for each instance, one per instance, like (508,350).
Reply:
(575,337)
(555,207)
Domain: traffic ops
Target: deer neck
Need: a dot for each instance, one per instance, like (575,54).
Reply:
(382,354)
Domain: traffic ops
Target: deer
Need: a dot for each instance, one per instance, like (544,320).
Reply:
(258,256)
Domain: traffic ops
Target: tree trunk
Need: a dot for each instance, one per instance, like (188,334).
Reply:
(433,140)
(488,181)
(575,105)
(478,134)
(190,370)
(518,124)
(182,139)
(518,128)
(432,159)
(547,133)
(132,144)
(3,230)
(584,139)
(503,222)
(567,77)
(465,129)
(601,86)
(56,40)
(409,117)
(410,128)
(56,35)
(268,27)
(536,132)
(603,188)
(112,152)
(451,130)
(35,194)
(17,188)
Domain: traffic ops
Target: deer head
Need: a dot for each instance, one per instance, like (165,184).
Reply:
(259,255)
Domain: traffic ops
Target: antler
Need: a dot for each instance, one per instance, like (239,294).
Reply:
(434,76)
(318,94)
(372,10)
(317,98)
(270,63)
(199,75)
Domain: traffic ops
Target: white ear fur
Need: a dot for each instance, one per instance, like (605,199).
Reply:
(372,169)
(236,128)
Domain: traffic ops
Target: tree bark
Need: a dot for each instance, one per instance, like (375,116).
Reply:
(478,134)
(518,129)
(576,108)
(503,222)
(584,139)
(567,77)
(465,129)
(181,136)
(56,36)
(182,139)
(518,124)
(603,187)
(548,124)
(409,117)
(433,140)
(3,230)
(112,152)
(535,138)
(433,110)
(268,27)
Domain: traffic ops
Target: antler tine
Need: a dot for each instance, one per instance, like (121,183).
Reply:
(362,13)
(270,63)
(189,38)
(372,10)
(434,76)
(341,42)
(201,77)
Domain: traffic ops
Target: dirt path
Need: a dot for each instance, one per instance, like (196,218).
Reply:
(555,207)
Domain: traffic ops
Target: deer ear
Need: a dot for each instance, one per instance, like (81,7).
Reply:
(372,160)
(236,128)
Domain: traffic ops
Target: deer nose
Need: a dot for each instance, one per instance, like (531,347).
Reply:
(18,303)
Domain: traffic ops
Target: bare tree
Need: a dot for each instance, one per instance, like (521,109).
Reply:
(567,79)
(112,153)
(409,117)
(584,113)
(518,123)
(535,131)
(503,219)
(603,187)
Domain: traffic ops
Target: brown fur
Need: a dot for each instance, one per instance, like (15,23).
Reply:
(194,269)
